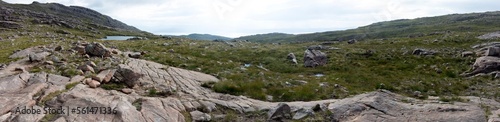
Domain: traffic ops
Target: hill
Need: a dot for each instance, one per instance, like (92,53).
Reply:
(196,36)
(70,18)
(472,22)
(267,37)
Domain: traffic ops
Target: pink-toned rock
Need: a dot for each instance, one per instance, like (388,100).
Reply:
(77,78)
(104,76)
(127,90)
(85,68)
(94,84)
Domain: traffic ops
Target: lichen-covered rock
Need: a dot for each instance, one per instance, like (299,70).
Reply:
(97,49)
(314,58)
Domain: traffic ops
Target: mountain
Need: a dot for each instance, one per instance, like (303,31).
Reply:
(483,22)
(266,37)
(69,17)
(196,36)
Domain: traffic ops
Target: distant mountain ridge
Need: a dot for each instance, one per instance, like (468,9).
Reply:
(73,17)
(483,22)
(196,36)
(265,37)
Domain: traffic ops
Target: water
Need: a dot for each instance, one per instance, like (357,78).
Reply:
(319,75)
(120,38)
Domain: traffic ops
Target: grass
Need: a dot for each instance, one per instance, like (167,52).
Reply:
(391,67)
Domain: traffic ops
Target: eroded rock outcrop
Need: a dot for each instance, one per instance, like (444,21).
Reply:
(314,58)
(138,103)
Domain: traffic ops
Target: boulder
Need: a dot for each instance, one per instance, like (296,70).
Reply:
(93,83)
(86,68)
(198,116)
(467,53)
(280,112)
(492,51)
(352,41)
(485,64)
(38,56)
(135,55)
(127,75)
(383,105)
(97,49)
(10,25)
(314,58)
(58,48)
(127,90)
(493,35)
(291,57)
(302,113)
(423,52)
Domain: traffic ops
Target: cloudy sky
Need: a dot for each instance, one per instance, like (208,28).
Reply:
(235,18)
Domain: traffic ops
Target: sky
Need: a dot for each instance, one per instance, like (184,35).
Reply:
(234,18)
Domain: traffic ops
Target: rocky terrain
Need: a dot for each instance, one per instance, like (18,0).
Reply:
(49,60)
(179,96)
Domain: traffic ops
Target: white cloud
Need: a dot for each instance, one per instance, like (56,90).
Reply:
(243,17)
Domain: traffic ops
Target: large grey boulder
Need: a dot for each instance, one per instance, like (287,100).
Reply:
(485,64)
(97,49)
(314,58)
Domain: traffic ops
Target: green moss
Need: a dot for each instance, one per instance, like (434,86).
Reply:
(71,85)
(137,104)
(113,86)
(49,118)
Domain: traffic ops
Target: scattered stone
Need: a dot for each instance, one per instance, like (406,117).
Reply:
(171,51)
(127,90)
(86,68)
(417,94)
(20,69)
(493,35)
(485,64)
(97,49)
(58,48)
(198,116)
(93,83)
(165,44)
(280,112)
(38,56)
(314,58)
(302,113)
(77,78)
(269,98)
(80,49)
(135,55)
(467,53)
(127,75)
(352,41)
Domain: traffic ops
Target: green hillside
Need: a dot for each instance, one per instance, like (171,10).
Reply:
(473,22)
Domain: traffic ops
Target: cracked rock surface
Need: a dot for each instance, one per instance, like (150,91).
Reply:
(19,89)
